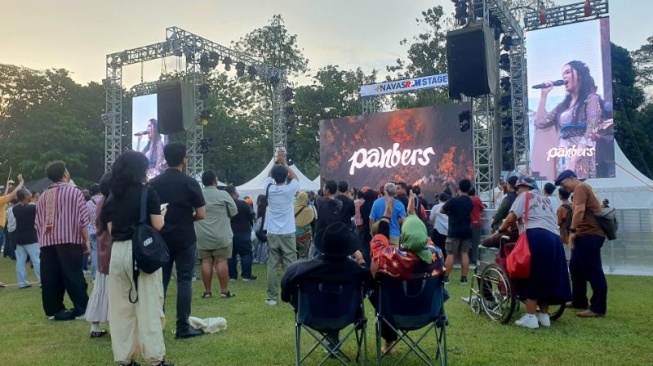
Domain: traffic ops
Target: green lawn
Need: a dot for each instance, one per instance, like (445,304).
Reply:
(262,335)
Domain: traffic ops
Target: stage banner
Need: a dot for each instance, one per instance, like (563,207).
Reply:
(406,85)
(421,146)
(146,137)
(570,100)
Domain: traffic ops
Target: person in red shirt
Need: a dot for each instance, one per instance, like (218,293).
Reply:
(477,225)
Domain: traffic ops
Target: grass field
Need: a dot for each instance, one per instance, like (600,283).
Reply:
(261,335)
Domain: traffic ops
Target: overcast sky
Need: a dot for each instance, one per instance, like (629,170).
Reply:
(77,34)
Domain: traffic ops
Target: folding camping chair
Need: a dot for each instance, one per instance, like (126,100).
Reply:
(412,305)
(326,307)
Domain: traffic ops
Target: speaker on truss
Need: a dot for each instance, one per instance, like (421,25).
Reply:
(471,60)
(175,106)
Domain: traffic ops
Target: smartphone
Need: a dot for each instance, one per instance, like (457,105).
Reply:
(163,205)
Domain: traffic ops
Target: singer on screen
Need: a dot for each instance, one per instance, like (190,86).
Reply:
(576,120)
(153,150)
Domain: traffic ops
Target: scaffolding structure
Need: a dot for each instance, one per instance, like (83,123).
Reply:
(180,43)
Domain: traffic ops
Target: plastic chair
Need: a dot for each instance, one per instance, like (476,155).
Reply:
(412,305)
(326,307)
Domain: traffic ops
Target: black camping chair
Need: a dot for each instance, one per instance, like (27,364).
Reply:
(412,305)
(326,307)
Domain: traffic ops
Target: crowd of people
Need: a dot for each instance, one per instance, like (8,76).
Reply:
(340,232)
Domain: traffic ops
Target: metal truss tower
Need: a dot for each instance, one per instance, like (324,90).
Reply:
(179,43)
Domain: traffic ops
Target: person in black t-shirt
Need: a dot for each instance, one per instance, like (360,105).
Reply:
(459,234)
(120,213)
(241,225)
(348,206)
(185,205)
(25,238)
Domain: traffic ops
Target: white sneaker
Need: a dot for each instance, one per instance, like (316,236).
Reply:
(528,321)
(271,302)
(544,319)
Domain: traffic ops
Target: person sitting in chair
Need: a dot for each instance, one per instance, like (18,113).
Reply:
(335,263)
(416,257)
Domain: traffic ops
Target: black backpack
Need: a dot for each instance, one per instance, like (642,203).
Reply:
(149,250)
(328,212)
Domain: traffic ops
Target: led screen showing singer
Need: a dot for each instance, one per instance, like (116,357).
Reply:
(570,100)
(146,137)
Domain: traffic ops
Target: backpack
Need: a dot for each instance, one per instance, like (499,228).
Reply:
(607,219)
(328,212)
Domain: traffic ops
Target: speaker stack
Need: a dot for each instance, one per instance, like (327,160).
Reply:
(471,60)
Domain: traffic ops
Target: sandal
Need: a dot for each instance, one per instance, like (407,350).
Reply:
(207,295)
(99,333)
(226,295)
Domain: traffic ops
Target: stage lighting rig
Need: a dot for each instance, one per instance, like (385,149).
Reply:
(505,83)
(504,62)
(204,91)
(205,145)
(240,69)
(251,70)
(205,116)
(460,14)
(464,119)
(506,42)
(288,94)
(274,80)
(227,63)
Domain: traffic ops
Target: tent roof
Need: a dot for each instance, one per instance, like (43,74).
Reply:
(255,186)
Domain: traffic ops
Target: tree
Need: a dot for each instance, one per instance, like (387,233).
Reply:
(643,60)
(334,94)
(427,55)
(627,98)
(45,116)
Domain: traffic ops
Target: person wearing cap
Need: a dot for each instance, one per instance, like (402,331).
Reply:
(335,263)
(417,257)
(548,282)
(585,241)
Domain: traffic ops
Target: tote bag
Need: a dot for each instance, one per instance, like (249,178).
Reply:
(519,260)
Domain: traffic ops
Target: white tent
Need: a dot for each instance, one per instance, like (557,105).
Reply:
(255,186)
(317,181)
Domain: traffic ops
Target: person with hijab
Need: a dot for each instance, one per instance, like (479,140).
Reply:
(416,257)
(304,216)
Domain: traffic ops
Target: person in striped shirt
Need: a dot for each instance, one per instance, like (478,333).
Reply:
(61,227)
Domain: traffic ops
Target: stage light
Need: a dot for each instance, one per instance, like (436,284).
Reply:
(290,110)
(461,14)
(504,62)
(465,118)
(204,91)
(506,122)
(288,94)
(205,116)
(505,102)
(205,145)
(506,41)
(505,83)
(274,80)
(240,69)
(587,8)
(204,62)
(227,63)
(542,13)
(214,55)
(251,70)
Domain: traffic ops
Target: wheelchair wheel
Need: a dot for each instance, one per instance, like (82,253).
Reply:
(556,311)
(496,293)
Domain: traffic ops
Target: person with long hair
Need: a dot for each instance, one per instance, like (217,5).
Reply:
(260,248)
(304,216)
(577,119)
(135,325)
(153,150)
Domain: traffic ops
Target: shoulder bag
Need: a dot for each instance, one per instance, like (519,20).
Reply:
(519,259)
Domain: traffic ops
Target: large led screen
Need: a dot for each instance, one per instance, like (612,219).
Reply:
(570,100)
(421,146)
(146,137)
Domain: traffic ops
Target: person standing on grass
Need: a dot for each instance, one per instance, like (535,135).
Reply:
(398,212)
(136,315)
(241,225)
(92,207)
(586,239)
(27,245)
(62,231)
(477,224)
(4,202)
(97,310)
(214,235)
(185,205)
(459,235)
(280,222)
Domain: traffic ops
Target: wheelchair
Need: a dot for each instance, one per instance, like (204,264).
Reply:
(492,291)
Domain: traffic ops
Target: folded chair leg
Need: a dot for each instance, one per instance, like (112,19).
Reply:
(298,352)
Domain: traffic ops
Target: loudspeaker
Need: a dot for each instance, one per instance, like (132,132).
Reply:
(471,61)
(175,106)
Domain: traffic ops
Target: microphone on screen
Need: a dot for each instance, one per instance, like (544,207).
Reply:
(545,85)
(142,133)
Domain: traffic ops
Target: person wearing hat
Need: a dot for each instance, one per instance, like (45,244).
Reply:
(417,257)
(585,241)
(548,282)
(335,263)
